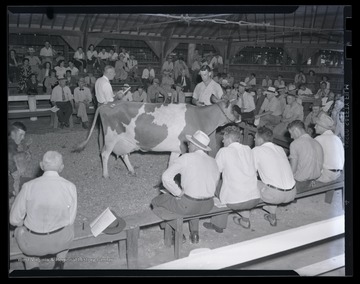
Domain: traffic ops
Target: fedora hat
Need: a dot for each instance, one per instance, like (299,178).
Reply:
(115,227)
(200,139)
(325,121)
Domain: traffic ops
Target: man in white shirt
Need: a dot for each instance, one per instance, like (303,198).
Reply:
(62,97)
(47,53)
(44,213)
(334,156)
(208,91)
(199,178)
(277,183)
(217,63)
(239,189)
(82,98)
(103,89)
(245,101)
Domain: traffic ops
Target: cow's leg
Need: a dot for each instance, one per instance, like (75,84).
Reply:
(105,158)
(173,157)
(128,164)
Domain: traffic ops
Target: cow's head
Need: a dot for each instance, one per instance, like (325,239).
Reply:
(229,110)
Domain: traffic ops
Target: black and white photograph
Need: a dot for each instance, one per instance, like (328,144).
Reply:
(180,140)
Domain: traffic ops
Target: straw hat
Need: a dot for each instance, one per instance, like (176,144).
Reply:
(115,227)
(325,121)
(200,139)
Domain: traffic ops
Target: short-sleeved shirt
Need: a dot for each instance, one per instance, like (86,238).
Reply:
(103,90)
(203,93)
(46,51)
(293,112)
(309,156)
(237,165)
(334,157)
(273,165)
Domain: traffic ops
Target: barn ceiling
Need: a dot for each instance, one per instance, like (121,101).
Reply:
(308,24)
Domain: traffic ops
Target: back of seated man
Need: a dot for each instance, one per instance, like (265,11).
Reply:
(239,190)
(334,156)
(44,213)
(306,156)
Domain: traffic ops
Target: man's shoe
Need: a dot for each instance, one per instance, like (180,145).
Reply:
(240,221)
(211,226)
(194,237)
(59,265)
(271,220)
(173,238)
(67,124)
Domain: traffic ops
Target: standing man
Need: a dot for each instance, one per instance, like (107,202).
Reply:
(277,183)
(103,89)
(239,189)
(18,156)
(61,97)
(44,213)
(208,91)
(82,98)
(306,156)
(47,53)
(199,178)
(334,157)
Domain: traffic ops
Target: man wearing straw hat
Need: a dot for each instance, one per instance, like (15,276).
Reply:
(199,178)
(270,111)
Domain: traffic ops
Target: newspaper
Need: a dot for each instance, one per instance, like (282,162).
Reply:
(102,222)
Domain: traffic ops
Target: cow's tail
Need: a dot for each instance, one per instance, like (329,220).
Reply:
(83,144)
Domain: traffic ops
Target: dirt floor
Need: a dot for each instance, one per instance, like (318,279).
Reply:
(152,250)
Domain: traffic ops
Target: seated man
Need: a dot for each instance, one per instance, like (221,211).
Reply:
(277,185)
(62,97)
(178,95)
(44,213)
(155,91)
(82,98)
(293,111)
(312,117)
(334,157)
(270,111)
(239,189)
(306,156)
(199,178)
(18,156)
(140,95)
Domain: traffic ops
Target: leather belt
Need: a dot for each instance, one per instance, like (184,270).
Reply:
(43,234)
(280,189)
(335,171)
(198,199)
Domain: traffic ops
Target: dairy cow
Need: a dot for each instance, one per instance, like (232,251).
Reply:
(132,126)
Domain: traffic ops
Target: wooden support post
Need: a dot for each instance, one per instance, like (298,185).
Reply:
(167,235)
(132,236)
(178,237)
(122,249)
(329,196)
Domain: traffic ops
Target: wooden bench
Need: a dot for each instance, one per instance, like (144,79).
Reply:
(42,111)
(175,221)
(84,238)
